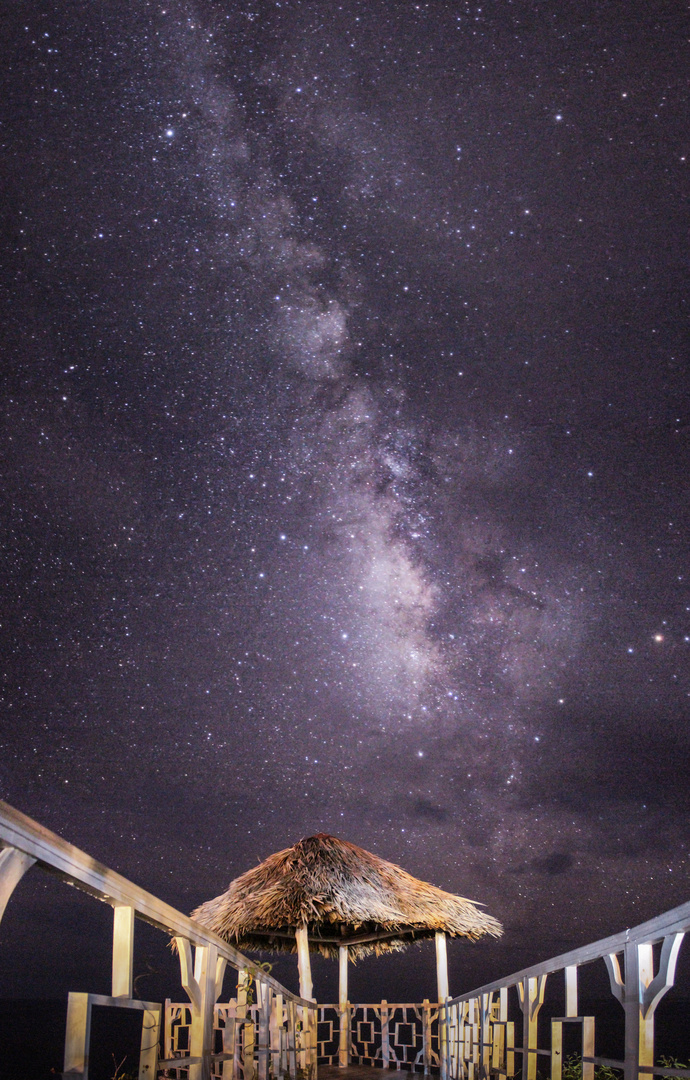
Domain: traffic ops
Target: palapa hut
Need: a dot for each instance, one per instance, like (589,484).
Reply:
(329,896)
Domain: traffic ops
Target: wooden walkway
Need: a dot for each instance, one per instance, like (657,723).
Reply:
(355,1072)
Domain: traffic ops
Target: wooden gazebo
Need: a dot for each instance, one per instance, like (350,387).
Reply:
(328,896)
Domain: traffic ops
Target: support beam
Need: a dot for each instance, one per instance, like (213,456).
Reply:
(303,962)
(13,866)
(441,966)
(344,1041)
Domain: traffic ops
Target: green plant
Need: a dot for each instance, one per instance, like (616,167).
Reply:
(667,1062)
(250,976)
(572,1070)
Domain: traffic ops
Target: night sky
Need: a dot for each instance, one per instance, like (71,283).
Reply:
(345,417)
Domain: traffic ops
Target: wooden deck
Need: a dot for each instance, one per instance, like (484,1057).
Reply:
(356,1072)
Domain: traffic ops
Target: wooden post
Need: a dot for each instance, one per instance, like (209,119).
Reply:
(385,1036)
(276,1034)
(441,966)
(507,1029)
(343,1009)
(472,1038)
(452,1028)
(305,984)
(167,1029)
(426,1036)
(442,989)
(640,993)
(201,989)
(123,951)
(486,1004)
(205,957)
(476,1036)
(264,994)
(571,990)
(531,995)
(557,1031)
(312,1046)
(244,1012)
(291,1037)
(77,1036)
(149,1046)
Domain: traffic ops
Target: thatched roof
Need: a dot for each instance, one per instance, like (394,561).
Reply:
(345,895)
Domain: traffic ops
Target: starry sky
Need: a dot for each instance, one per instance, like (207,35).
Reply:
(344,404)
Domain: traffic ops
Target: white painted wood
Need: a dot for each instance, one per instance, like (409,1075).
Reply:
(442,992)
(531,998)
(426,1036)
(123,951)
(221,965)
(343,1010)
(189,983)
(291,1037)
(264,1031)
(385,1035)
(201,1035)
(77,1037)
(78,1033)
(150,1041)
(304,964)
(13,866)
(666,976)
(441,966)
(243,1011)
(637,987)
(276,1034)
(84,872)
(571,990)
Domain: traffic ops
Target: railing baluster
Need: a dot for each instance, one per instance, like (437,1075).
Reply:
(426,1035)
(264,1019)
(123,951)
(531,995)
(77,1037)
(385,1036)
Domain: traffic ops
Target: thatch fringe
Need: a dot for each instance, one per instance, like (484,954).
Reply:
(343,894)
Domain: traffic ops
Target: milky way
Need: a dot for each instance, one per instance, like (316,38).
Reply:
(345,432)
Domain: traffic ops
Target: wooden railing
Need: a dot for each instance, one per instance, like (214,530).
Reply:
(265,1032)
(477,1036)
(283,1035)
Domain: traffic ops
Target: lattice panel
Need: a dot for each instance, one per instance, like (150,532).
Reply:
(387,1035)
(365,1034)
(327,1035)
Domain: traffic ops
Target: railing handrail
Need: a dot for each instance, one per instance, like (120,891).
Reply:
(670,922)
(84,872)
